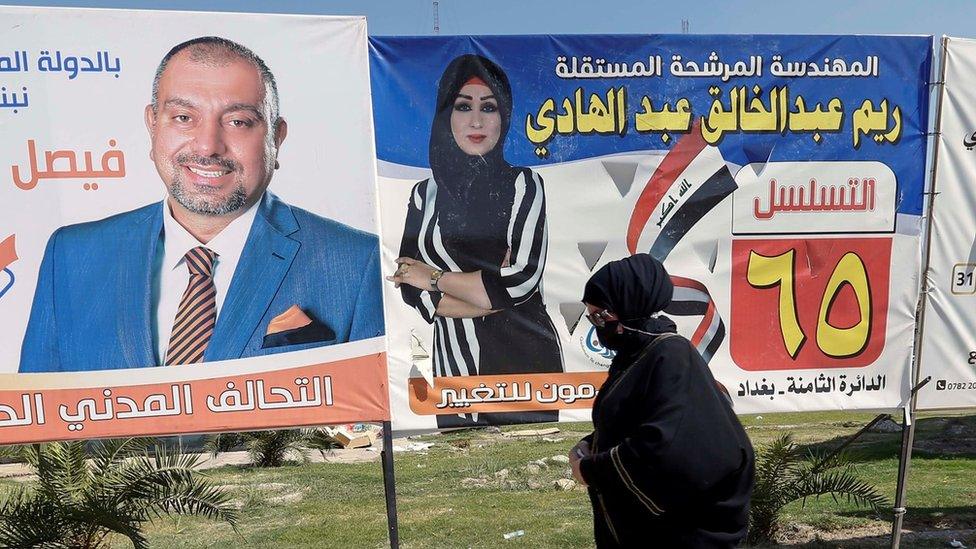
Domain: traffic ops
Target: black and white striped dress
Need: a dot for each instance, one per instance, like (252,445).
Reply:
(502,233)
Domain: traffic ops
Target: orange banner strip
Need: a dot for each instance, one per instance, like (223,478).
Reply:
(344,391)
(505,393)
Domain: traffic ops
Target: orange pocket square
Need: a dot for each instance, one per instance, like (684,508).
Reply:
(291,319)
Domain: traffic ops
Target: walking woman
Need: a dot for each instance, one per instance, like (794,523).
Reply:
(474,243)
(668,464)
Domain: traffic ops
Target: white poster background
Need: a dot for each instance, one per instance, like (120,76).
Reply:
(584,205)
(321,67)
(948,351)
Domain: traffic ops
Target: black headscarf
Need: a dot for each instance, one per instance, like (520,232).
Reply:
(634,288)
(474,193)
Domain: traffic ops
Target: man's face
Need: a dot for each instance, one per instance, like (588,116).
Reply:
(212,141)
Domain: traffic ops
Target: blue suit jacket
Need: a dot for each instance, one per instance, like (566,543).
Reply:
(92,306)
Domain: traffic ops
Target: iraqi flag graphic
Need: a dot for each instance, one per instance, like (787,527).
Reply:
(691,180)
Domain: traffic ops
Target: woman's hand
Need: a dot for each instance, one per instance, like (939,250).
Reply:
(412,273)
(581,450)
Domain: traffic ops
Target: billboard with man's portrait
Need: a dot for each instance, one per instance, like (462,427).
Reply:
(188,226)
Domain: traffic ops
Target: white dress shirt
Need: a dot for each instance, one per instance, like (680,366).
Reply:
(171,276)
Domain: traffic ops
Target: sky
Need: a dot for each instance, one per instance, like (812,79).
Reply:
(415,17)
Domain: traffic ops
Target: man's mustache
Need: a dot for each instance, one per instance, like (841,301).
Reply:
(206,161)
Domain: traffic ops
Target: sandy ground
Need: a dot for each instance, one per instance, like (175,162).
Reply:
(21,472)
(801,535)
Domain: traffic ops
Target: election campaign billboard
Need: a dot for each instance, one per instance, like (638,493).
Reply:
(188,224)
(779,178)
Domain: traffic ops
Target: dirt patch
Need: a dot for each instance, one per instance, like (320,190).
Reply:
(22,473)
(16,471)
(472,482)
(872,535)
(947,446)
(940,521)
(956,437)
(352,455)
(293,497)
(271,486)
(803,534)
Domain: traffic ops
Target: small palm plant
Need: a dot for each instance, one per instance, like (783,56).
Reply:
(785,474)
(86,492)
(273,448)
(218,443)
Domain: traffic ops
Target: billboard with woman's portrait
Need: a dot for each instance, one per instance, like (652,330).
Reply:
(779,179)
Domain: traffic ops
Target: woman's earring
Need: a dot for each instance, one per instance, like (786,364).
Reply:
(277,165)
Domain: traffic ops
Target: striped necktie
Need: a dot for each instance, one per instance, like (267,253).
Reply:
(197,314)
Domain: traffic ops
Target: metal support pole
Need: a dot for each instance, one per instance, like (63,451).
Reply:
(389,486)
(827,459)
(907,440)
(908,426)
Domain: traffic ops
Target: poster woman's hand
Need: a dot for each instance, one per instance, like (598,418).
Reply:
(466,287)
(412,273)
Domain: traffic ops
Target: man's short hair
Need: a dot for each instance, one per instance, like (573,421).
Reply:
(217,50)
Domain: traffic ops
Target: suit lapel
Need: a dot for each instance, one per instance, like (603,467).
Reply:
(134,324)
(267,256)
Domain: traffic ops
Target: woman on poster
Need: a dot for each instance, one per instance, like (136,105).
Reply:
(474,244)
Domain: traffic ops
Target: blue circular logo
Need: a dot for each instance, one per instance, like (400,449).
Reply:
(592,344)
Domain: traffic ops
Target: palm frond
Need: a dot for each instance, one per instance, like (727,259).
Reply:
(81,497)
(784,475)
(142,478)
(272,448)
(28,520)
(842,484)
(823,460)
(108,453)
(62,469)
(100,517)
(222,442)
(168,483)
(13,452)
(199,498)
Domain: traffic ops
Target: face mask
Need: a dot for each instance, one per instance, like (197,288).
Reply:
(610,339)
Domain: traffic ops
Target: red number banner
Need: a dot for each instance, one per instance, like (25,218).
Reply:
(809,303)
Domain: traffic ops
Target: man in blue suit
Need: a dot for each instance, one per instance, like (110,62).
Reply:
(221,269)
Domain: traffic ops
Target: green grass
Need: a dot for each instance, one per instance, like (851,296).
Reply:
(342,505)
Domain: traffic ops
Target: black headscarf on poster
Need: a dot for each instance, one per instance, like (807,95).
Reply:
(634,288)
(474,193)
